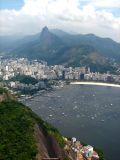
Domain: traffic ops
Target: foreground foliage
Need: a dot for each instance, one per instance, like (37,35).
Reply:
(16,131)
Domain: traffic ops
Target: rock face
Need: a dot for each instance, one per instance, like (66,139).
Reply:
(2,98)
(27,135)
(47,145)
(41,143)
(5,95)
(49,41)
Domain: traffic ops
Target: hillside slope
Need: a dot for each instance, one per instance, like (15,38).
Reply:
(23,135)
(105,46)
(45,47)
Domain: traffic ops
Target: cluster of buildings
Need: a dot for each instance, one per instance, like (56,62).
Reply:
(26,88)
(77,151)
(40,70)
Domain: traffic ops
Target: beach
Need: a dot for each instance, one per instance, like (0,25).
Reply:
(97,84)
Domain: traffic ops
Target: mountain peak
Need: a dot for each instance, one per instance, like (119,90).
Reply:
(45,29)
(45,33)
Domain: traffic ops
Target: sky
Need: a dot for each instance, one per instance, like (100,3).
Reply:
(26,17)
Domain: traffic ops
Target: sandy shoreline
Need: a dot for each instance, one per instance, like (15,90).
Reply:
(97,84)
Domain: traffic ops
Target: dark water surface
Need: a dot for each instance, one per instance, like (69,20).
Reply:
(89,113)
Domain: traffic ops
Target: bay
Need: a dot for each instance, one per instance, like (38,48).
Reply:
(89,113)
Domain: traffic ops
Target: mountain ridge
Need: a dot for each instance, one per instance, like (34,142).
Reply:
(58,47)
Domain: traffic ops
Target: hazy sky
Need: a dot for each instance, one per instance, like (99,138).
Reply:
(101,17)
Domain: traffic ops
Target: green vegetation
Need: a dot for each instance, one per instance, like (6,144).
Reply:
(25,79)
(16,131)
(2,90)
(100,153)
(49,129)
(102,68)
(66,158)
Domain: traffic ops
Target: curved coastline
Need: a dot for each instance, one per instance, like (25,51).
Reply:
(97,84)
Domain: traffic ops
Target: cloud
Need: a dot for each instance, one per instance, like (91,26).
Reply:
(105,3)
(88,16)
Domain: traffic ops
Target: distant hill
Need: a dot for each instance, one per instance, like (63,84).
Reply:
(105,46)
(59,32)
(45,47)
(58,47)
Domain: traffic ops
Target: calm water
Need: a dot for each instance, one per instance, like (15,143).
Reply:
(90,113)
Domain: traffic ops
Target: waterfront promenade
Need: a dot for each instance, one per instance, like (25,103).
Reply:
(96,84)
